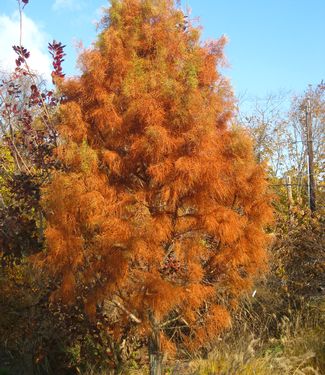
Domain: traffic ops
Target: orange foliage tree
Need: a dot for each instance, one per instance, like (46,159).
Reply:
(159,208)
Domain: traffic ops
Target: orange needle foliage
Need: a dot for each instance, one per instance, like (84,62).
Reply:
(160,207)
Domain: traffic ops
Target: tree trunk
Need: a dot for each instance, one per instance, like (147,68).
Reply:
(155,357)
(154,346)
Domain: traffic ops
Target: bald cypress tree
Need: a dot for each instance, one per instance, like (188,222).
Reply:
(159,208)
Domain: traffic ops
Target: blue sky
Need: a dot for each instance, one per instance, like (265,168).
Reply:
(273,44)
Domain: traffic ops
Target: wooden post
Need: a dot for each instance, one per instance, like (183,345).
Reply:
(289,192)
(310,151)
(41,226)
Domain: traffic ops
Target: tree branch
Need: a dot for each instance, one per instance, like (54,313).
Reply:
(123,308)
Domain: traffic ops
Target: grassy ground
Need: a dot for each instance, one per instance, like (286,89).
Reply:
(298,347)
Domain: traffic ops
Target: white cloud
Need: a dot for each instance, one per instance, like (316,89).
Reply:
(33,39)
(68,4)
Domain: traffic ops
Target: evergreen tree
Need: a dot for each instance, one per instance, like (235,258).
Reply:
(159,208)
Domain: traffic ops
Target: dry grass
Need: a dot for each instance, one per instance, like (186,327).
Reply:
(295,346)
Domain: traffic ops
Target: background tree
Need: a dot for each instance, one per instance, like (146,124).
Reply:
(280,139)
(267,124)
(159,208)
(27,138)
(314,97)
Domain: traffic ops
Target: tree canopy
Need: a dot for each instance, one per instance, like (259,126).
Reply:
(159,207)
